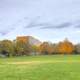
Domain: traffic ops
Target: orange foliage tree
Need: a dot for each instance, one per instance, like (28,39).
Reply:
(46,48)
(22,46)
(65,47)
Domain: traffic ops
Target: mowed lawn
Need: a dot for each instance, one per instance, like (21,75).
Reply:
(56,67)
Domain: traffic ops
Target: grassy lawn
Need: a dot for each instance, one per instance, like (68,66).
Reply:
(40,68)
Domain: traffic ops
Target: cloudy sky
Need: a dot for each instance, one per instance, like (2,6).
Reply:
(47,20)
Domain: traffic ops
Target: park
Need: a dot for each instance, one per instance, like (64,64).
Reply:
(44,67)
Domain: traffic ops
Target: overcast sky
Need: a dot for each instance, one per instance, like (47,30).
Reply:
(47,20)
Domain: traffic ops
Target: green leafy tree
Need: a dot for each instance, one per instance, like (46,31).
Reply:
(77,49)
(7,47)
(35,50)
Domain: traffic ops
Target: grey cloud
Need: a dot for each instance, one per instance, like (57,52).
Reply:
(33,22)
(33,25)
(59,26)
(11,27)
(6,31)
(64,25)
(3,33)
(49,25)
(77,26)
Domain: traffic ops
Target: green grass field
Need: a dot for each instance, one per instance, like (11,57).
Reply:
(40,68)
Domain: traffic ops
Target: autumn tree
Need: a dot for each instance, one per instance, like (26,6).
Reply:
(65,47)
(46,48)
(22,46)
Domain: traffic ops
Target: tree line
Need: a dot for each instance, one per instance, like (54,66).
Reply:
(20,47)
